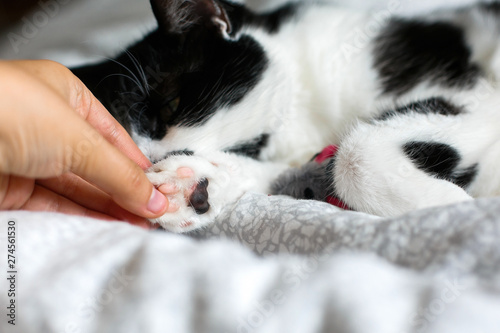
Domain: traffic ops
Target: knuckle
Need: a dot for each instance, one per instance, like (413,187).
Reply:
(81,101)
(135,178)
(109,127)
(113,132)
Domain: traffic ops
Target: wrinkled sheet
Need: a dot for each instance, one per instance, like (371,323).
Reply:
(268,264)
(436,270)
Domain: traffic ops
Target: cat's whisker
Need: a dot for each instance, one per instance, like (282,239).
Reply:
(118,74)
(142,110)
(267,94)
(137,103)
(139,96)
(139,68)
(135,80)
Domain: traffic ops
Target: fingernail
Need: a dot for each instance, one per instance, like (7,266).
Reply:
(157,203)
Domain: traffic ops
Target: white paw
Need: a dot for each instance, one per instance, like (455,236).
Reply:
(196,189)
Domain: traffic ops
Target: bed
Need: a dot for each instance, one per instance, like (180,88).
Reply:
(268,264)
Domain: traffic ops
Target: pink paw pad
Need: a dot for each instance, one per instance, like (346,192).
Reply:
(196,195)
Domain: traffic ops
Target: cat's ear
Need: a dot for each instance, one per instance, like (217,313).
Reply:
(181,16)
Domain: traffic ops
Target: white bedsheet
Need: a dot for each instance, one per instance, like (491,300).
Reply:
(81,275)
(357,274)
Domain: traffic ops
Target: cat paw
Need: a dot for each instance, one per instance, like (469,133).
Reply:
(194,187)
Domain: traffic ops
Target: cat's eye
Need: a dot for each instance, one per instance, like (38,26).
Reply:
(174,104)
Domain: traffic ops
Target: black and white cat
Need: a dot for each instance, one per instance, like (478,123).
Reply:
(240,97)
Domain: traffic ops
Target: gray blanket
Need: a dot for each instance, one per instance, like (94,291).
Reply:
(430,271)
(431,239)
(269,264)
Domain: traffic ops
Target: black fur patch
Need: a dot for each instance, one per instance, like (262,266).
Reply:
(465,177)
(251,148)
(193,68)
(441,161)
(205,76)
(271,22)
(409,52)
(232,71)
(436,105)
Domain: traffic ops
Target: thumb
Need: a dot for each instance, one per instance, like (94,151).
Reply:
(97,161)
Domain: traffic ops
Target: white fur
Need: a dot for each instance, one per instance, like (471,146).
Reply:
(229,177)
(319,84)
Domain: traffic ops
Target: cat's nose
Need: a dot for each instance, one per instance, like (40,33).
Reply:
(199,198)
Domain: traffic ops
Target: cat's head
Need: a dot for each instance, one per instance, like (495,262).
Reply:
(195,64)
(177,18)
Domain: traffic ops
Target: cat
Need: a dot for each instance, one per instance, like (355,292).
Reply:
(241,97)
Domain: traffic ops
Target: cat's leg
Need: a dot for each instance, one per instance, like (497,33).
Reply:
(390,167)
(201,185)
(487,180)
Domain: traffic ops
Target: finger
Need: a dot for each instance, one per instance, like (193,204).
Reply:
(107,168)
(59,141)
(14,191)
(43,200)
(86,195)
(67,85)
(96,114)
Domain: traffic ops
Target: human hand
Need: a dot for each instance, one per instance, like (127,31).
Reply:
(62,151)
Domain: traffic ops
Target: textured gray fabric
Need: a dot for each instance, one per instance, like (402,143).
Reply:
(430,271)
(81,275)
(464,238)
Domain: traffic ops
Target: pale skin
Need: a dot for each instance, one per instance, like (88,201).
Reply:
(61,150)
